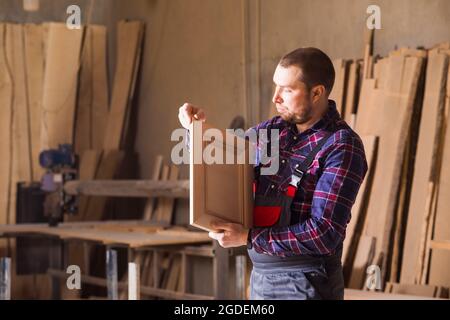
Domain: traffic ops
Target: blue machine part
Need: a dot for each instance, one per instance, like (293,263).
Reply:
(61,157)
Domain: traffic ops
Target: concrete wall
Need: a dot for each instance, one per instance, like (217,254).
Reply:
(221,54)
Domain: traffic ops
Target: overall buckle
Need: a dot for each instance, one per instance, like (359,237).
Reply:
(296,178)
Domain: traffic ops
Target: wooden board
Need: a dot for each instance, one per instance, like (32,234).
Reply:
(6,96)
(166,205)
(128,35)
(351,294)
(364,254)
(92,104)
(426,156)
(159,206)
(218,191)
(83,125)
(354,227)
(107,168)
(63,51)
(100,103)
(21,151)
(149,206)
(339,88)
(413,289)
(387,114)
(440,259)
(89,161)
(34,64)
(352,90)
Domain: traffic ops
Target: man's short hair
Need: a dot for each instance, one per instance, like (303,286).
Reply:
(316,67)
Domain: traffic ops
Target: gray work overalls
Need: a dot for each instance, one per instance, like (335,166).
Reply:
(299,277)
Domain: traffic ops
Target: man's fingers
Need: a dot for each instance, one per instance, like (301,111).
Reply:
(222,225)
(200,115)
(216,235)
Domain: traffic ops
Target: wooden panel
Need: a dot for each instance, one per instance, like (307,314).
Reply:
(426,156)
(219,191)
(63,50)
(128,35)
(34,62)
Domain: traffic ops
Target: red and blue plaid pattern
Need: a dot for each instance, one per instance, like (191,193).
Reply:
(321,208)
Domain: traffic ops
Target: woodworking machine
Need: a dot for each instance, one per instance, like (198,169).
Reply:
(62,166)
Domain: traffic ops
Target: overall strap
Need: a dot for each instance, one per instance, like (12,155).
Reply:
(299,172)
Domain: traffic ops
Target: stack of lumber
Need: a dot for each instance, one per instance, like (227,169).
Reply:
(38,103)
(402,206)
(54,90)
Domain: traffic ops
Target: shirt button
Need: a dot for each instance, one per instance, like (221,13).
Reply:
(272,186)
(295,138)
(283,161)
(296,165)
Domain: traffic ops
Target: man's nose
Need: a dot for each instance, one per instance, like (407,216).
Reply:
(276,97)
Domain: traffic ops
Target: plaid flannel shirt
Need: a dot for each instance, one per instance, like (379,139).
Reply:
(321,208)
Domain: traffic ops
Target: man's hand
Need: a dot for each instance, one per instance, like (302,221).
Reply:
(188,112)
(231,234)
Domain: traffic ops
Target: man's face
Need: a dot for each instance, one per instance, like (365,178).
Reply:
(291,97)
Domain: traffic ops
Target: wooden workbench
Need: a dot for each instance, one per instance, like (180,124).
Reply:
(130,233)
(134,235)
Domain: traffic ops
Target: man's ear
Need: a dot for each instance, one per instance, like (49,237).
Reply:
(318,92)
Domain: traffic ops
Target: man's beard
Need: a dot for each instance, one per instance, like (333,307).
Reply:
(297,118)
